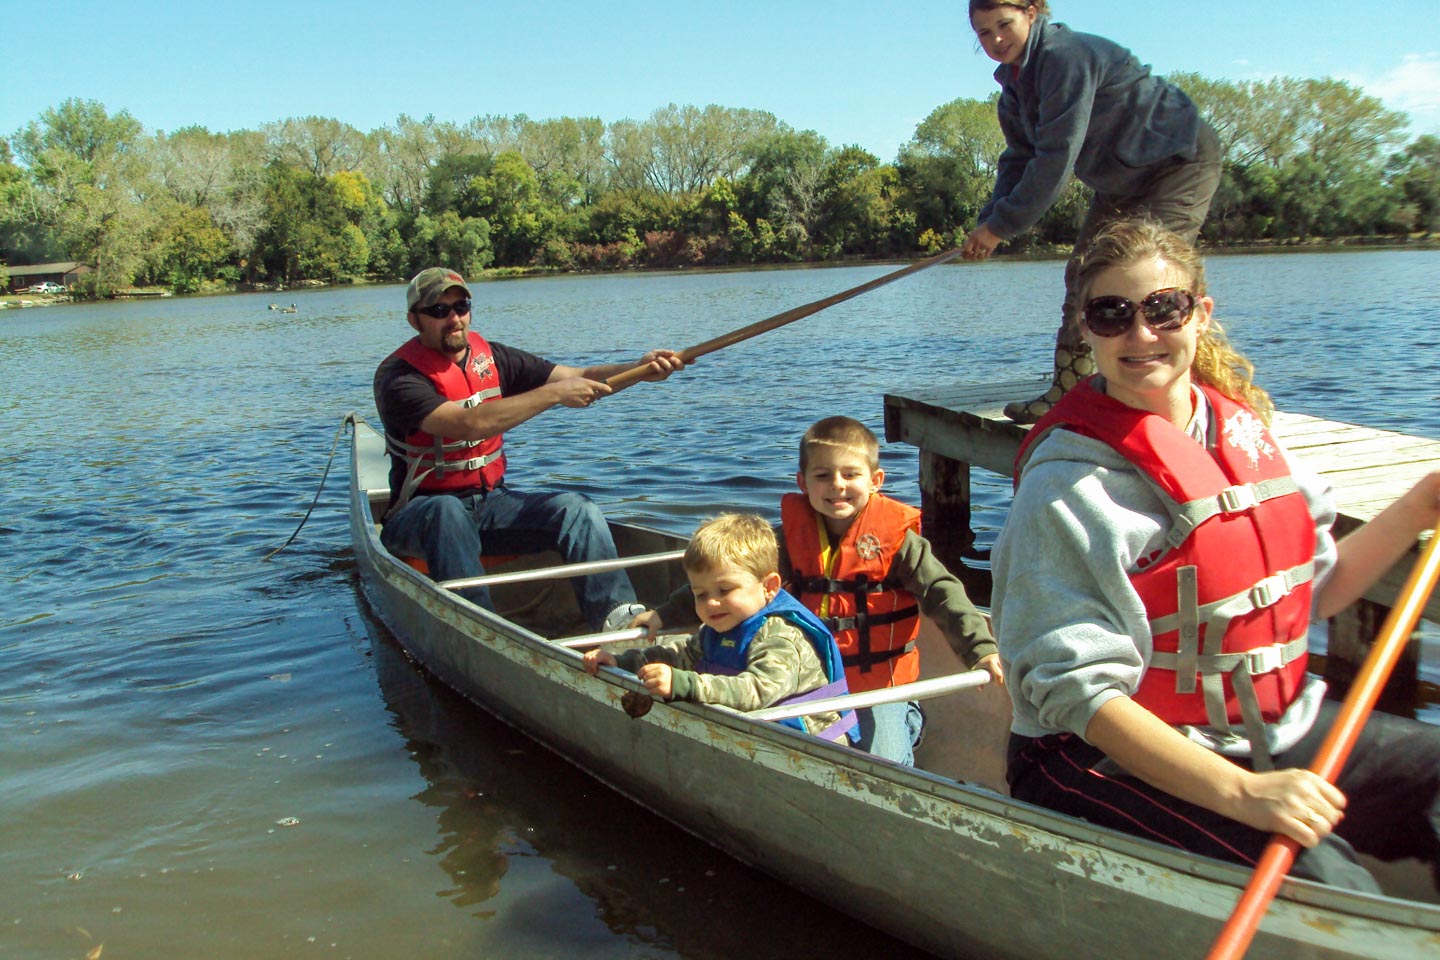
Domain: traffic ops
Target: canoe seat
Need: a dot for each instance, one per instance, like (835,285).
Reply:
(490,562)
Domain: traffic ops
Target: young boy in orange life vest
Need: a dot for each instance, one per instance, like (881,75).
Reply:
(856,558)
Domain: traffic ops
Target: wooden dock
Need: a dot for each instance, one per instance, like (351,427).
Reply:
(962,425)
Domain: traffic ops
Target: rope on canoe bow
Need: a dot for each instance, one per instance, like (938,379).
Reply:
(349,420)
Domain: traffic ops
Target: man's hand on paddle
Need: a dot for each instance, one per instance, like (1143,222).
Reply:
(579,391)
(661,364)
(981,242)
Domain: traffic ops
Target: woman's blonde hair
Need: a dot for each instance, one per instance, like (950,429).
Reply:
(1217,363)
(742,540)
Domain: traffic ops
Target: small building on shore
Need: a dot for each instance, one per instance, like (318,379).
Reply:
(65,272)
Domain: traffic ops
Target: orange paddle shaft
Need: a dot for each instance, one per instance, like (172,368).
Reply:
(1280,854)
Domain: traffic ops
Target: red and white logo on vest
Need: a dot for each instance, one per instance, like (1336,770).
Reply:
(868,546)
(481,364)
(1246,433)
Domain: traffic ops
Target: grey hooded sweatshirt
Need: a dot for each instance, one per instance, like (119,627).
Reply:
(1072,631)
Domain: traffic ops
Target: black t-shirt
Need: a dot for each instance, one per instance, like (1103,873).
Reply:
(404,396)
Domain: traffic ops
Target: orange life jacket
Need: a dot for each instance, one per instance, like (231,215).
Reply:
(434,464)
(875,622)
(1228,596)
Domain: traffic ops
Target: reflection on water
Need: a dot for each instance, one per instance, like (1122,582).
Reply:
(503,803)
(172,702)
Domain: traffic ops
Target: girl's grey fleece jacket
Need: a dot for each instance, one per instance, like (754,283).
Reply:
(1072,631)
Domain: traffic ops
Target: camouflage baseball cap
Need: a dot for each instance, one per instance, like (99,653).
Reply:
(429,284)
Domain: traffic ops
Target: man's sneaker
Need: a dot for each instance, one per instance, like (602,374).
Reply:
(620,617)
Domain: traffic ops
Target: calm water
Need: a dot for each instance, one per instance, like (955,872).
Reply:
(170,702)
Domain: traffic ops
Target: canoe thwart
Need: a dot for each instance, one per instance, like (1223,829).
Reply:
(613,636)
(562,570)
(919,690)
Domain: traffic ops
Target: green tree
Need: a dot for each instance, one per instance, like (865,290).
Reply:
(509,197)
(862,215)
(947,169)
(305,237)
(1417,174)
(680,150)
(321,145)
(194,250)
(88,180)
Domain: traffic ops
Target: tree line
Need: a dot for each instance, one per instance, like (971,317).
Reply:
(315,199)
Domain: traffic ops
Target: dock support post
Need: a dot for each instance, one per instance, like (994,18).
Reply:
(945,520)
(1352,632)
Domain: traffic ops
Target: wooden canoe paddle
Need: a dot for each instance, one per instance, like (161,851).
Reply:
(1275,862)
(635,374)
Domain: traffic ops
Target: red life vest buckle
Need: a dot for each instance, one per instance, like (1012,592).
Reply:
(1264,660)
(1239,498)
(1269,591)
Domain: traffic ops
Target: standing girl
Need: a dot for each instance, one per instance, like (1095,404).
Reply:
(1074,103)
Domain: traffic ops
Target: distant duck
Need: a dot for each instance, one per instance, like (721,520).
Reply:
(274,306)
(290,309)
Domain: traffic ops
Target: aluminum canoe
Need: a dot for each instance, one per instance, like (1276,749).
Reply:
(936,856)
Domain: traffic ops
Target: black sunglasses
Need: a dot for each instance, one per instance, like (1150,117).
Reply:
(1167,309)
(442,310)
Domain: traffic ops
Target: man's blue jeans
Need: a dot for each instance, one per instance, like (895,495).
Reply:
(453,533)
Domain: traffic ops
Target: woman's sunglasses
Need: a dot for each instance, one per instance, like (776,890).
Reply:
(442,310)
(1167,309)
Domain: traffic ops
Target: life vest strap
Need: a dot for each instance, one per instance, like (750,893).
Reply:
(479,397)
(416,469)
(865,662)
(837,624)
(1187,651)
(1266,593)
(474,463)
(1257,662)
(1235,499)
(800,585)
(836,688)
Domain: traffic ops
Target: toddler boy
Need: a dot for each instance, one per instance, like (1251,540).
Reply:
(757,646)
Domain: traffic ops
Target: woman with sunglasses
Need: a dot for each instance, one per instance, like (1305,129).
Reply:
(1154,587)
(1074,103)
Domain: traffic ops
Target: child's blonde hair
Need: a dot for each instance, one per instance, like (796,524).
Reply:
(842,432)
(1217,363)
(742,540)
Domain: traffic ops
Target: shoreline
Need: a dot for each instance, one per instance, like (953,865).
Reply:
(1052,252)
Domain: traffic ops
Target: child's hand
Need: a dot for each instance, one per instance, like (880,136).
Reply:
(650,620)
(597,658)
(991,665)
(656,677)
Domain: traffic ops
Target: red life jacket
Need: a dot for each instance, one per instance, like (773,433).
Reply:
(874,621)
(1228,596)
(434,464)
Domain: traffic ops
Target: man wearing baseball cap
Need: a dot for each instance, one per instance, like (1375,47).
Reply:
(446,397)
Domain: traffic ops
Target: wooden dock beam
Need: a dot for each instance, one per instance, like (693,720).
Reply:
(963,425)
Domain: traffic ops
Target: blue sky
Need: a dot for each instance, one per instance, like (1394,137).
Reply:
(856,72)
